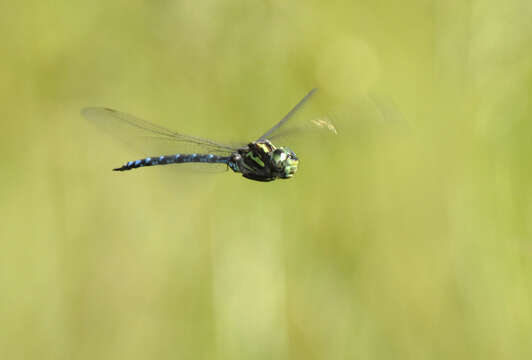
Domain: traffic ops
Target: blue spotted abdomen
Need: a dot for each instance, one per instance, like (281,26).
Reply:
(176,159)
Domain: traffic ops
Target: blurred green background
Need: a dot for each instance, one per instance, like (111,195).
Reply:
(408,236)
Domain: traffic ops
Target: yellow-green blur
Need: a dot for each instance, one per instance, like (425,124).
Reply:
(406,235)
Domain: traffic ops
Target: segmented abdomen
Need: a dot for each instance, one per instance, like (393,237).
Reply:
(175,159)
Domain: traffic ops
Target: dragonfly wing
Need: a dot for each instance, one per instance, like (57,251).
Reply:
(316,126)
(149,137)
(276,128)
(294,129)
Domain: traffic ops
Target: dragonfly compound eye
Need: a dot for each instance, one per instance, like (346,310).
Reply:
(285,162)
(278,157)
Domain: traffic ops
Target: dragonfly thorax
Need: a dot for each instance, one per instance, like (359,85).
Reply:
(263,161)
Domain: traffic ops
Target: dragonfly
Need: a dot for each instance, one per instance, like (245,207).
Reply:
(258,160)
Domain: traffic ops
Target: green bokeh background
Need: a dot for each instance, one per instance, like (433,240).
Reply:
(407,237)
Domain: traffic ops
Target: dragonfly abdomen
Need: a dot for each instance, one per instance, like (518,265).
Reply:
(175,159)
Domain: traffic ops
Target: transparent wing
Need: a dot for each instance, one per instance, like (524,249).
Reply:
(270,134)
(150,138)
(292,128)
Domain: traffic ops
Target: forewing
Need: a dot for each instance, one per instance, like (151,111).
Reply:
(271,133)
(150,138)
(301,126)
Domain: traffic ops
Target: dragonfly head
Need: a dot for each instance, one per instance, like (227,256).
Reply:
(285,162)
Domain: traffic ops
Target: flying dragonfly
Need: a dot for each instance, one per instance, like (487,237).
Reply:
(258,160)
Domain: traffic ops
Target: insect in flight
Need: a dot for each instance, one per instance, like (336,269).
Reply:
(258,160)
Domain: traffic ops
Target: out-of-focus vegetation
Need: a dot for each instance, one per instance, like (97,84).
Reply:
(407,237)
